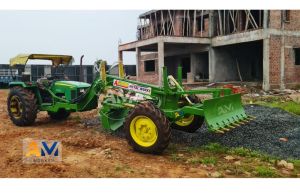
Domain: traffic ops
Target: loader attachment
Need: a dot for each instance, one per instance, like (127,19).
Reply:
(224,113)
(113,119)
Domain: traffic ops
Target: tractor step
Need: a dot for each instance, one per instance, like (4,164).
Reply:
(225,113)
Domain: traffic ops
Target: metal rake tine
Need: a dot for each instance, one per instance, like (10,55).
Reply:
(245,121)
(225,129)
(248,119)
(236,125)
(219,131)
(251,117)
(240,122)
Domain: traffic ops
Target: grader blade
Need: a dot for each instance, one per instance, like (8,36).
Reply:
(225,113)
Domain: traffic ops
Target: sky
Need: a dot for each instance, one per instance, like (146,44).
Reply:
(96,34)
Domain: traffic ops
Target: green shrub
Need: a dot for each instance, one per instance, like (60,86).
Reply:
(265,172)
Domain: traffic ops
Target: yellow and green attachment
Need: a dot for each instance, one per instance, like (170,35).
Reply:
(223,112)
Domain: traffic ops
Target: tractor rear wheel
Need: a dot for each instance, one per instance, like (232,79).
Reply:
(147,129)
(189,123)
(22,106)
(59,115)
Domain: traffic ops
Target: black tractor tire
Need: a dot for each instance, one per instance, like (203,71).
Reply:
(61,114)
(162,125)
(26,105)
(195,124)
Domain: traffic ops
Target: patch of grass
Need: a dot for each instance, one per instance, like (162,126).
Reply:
(194,160)
(172,148)
(209,160)
(205,160)
(266,172)
(244,152)
(175,157)
(240,151)
(122,168)
(296,163)
(215,148)
(192,149)
(289,106)
(77,118)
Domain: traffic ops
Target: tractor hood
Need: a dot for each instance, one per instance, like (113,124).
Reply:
(71,84)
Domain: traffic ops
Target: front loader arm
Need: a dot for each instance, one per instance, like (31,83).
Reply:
(90,98)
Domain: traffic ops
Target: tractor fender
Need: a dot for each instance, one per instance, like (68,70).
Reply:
(21,84)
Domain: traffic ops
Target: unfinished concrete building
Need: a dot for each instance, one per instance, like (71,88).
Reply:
(260,47)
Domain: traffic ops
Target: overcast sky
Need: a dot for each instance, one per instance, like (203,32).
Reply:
(93,33)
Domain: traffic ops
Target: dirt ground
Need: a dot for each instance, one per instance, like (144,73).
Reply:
(88,151)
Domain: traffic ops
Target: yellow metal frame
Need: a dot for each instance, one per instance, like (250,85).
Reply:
(185,121)
(56,59)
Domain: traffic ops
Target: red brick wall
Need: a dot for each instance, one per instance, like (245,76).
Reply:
(148,77)
(294,23)
(291,71)
(206,28)
(275,20)
(274,66)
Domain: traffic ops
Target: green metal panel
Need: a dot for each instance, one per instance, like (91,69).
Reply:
(224,112)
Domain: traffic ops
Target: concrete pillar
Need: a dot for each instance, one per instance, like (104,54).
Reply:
(282,59)
(194,63)
(266,64)
(161,60)
(266,53)
(138,61)
(120,56)
(212,64)
(266,19)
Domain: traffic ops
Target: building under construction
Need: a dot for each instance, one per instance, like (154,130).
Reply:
(254,46)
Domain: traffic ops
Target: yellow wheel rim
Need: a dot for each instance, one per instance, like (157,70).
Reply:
(185,121)
(16,107)
(143,131)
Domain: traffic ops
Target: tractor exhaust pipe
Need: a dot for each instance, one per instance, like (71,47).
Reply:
(81,78)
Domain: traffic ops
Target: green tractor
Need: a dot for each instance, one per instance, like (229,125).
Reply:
(50,93)
(146,112)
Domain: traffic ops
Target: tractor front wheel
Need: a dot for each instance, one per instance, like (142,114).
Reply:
(21,106)
(59,115)
(147,129)
(189,123)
